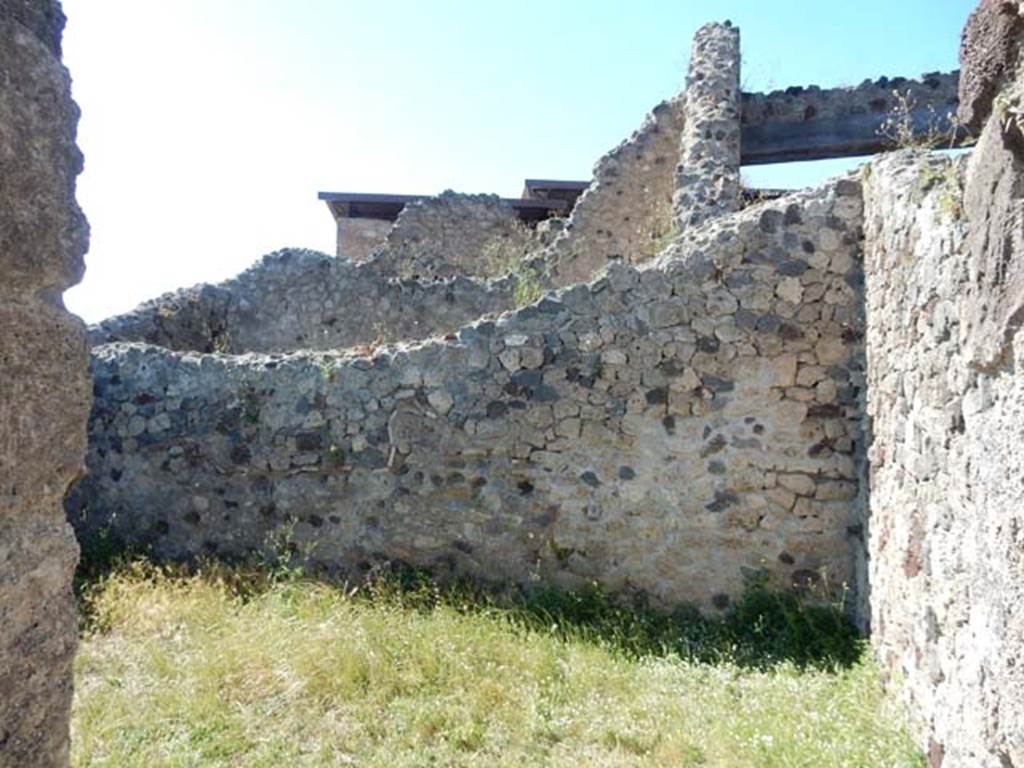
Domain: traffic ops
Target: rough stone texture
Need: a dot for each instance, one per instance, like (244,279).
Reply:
(707,182)
(946,400)
(690,419)
(945,302)
(626,212)
(988,57)
(43,18)
(455,234)
(445,262)
(296,299)
(994,288)
(44,390)
(390,287)
(672,430)
(359,238)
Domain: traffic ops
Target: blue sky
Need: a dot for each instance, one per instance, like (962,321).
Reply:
(209,125)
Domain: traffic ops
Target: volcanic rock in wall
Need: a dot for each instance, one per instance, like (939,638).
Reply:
(44,386)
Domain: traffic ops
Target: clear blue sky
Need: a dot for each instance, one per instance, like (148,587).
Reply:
(209,125)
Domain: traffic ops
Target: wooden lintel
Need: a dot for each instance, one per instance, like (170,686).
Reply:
(849,136)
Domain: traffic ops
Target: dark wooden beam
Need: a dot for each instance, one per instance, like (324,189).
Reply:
(812,123)
(850,136)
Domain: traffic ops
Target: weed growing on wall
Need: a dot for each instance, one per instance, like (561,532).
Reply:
(501,254)
(661,228)
(336,454)
(528,286)
(944,176)
(249,405)
(904,130)
(221,342)
(329,371)
(511,256)
(1008,111)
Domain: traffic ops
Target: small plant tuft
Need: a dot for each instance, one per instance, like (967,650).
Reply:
(945,176)
(221,342)
(903,131)
(329,371)
(528,286)
(249,404)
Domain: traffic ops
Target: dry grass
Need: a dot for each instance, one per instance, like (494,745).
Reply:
(225,668)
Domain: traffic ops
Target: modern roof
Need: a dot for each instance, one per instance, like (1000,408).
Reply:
(553,189)
(364,205)
(542,198)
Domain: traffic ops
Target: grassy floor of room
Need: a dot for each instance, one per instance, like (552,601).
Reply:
(237,667)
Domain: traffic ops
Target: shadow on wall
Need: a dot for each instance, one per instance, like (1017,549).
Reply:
(627,431)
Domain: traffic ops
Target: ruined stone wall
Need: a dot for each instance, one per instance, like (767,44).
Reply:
(946,401)
(358,238)
(44,390)
(455,234)
(429,272)
(708,175)
(296,299)
(691,419)
(445,262)
(674,431)
(626,212)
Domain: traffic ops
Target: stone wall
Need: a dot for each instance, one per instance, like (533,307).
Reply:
(445,262)
(989,47)
(690,415)
(358,238)
(626,212)
(673,430)
(455,234)
(44,390)
(432,271)
(946,401)
(945,302)
(296,299)
(708,175)
(639,189)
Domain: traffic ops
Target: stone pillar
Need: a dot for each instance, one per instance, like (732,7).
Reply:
(44,385)
(988,57)
(708,175)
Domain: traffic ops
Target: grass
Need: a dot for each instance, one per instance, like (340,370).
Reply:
(219,666)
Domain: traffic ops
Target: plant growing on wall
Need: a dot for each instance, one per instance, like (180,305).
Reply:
(904,131)
(1009,113)
(249,404)
(528,286)
(947,177)
(511,255)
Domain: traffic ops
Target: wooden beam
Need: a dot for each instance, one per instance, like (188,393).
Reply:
(850,136)
(815,123)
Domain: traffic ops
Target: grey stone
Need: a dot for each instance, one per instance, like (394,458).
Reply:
(44,390)
(988,57)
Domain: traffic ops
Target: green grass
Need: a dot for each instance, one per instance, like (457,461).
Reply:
(240,667)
